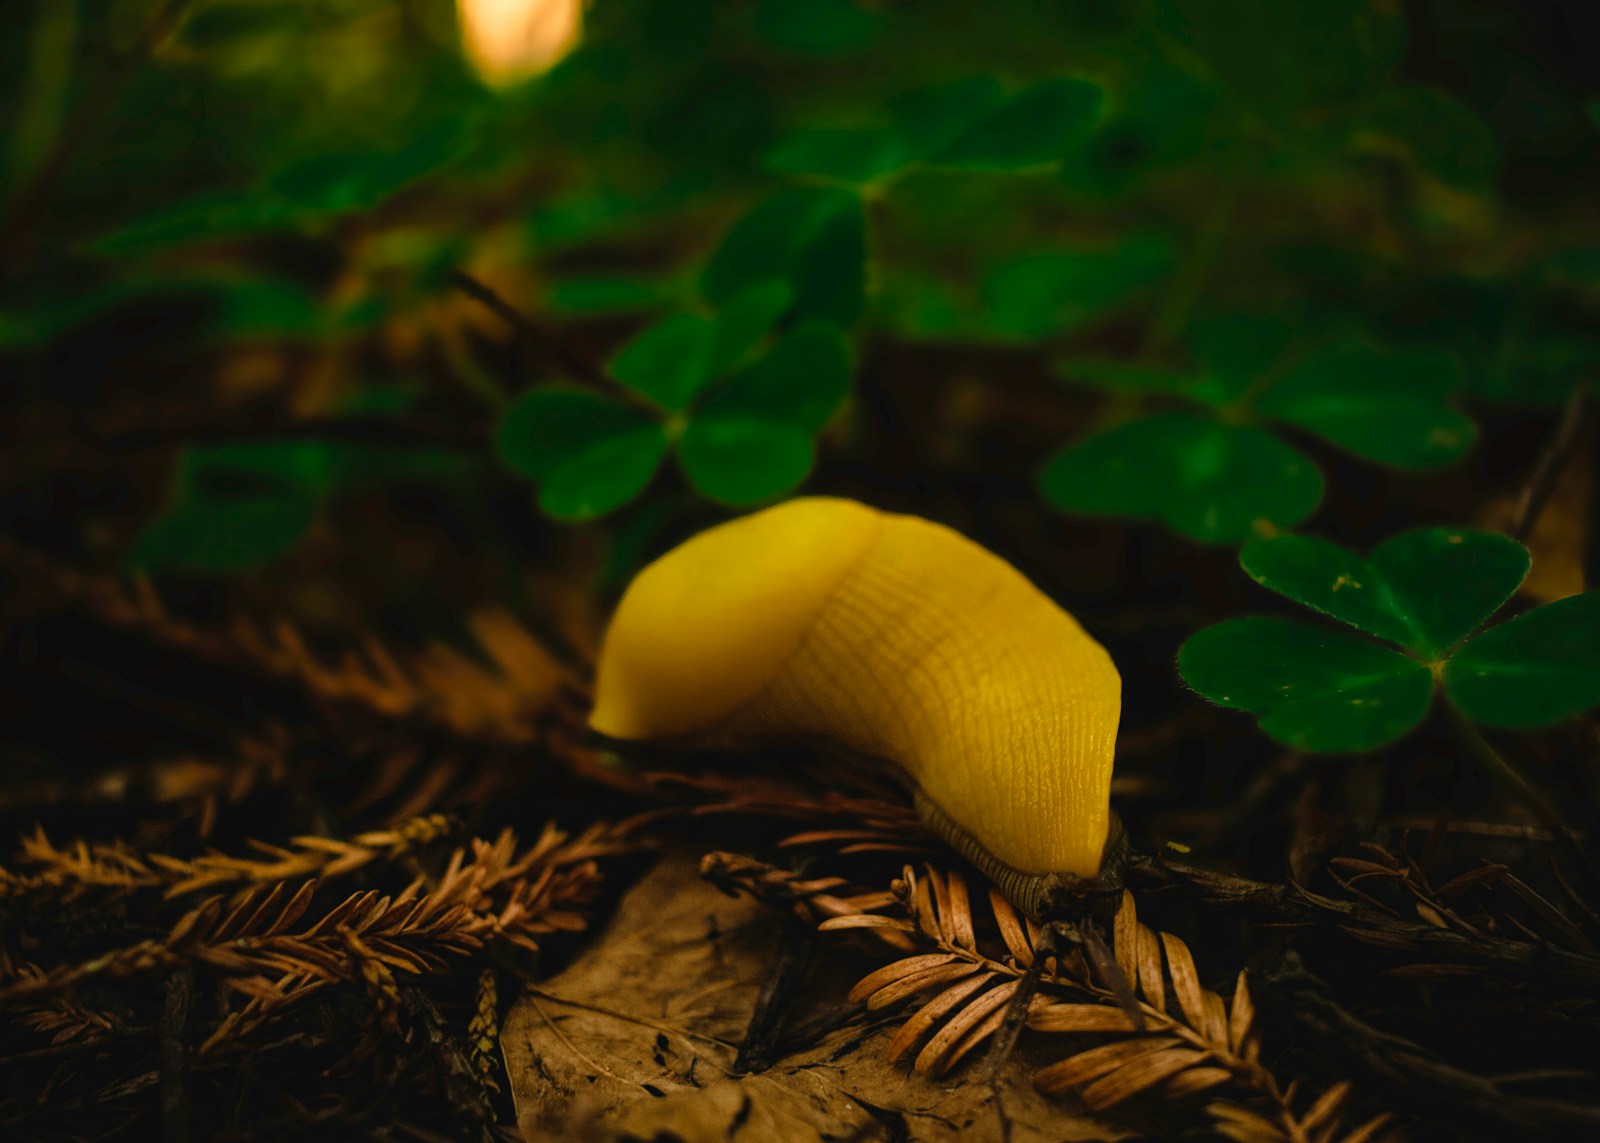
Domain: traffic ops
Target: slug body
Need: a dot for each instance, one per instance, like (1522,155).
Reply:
(899,639)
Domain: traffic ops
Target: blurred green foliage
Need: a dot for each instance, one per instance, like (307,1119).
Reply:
(1220,476)
(1257,231)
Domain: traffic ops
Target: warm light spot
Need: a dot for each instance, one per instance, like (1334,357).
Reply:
(512,40)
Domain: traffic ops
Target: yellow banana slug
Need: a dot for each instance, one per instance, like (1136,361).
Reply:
(899,639)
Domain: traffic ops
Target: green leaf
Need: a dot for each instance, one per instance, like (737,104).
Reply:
(339,181)
(921,305)
(669,362)
(1443,135)
(1036,126)
(607,475)
(801,382)
(589,453)
(1539,668)
(812,237)
(1314,688)
(746,319)
(923,123)
(252,468)
(304,194)
(1211,482)
(234,506)
(1047,293)
(1389,407)
(267,307)
(224,535)
(1240,348)
(744,460)
(850,155)
(1447,582)
(1327,578)
(933,118)
(607,293)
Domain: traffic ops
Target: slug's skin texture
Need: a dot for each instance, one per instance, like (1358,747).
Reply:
(894,636)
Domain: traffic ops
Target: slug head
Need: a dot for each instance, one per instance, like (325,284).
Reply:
(1069,897)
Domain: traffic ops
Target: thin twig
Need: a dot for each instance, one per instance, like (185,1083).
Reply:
(777,996)
(175,1019)
(1303,1001)
(574,363)
(1540,963)
(1543,481)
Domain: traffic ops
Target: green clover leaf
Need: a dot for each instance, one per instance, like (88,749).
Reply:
(1539,668)
(1427,591)
(1315,688)
(1036,126)
(1212,482)
(1054,291)
(589,453)
(813,238)
(741,440)
(750,439)
(744,460)
(1390,407)
(233,506)
(670,361)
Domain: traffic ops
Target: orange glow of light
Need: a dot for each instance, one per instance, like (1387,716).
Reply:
(509,41)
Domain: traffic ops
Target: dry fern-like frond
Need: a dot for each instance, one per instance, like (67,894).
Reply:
(1192,1040)
(506,703)
(1322,1122)
(811,899)
(68,873)
(483,1032)
(257,945)
(82,866)
(969,988)
(64,1019)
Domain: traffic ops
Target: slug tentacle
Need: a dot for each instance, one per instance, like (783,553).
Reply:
(898,638)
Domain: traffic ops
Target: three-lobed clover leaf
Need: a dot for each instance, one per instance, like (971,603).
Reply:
(1423,593)
(740,395)
(1054,291)
(1203,479)
(236,505)
(743,431)
(1226,474)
